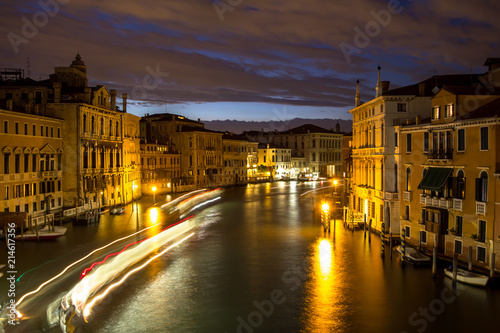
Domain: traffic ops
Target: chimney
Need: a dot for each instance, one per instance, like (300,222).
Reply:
(357,97)
(124,99)
(385,86)
(378,88)
(421,89)
(113,99)
(57,92)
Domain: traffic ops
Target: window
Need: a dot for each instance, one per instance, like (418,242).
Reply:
(484,138)
(423,236)
(401,107)
(6,163)
(58,132)
(33,163)
(407,231)
(17,163)
(26,162)
(52,132)
(458,225)
(26,190)
(481,237)
(436,110)
(426,141)
(41,130)
(408,179)
(34,207)
(458,246)
(34,130)
(47,131)
(408,143)
(461,139)
(423,216)
(25,129)
(16,126)
(407,212)
(395,139)
(481,254)
(482,187)
(6,193)
(448,111)
(5,126)
(34,190)
(84,123)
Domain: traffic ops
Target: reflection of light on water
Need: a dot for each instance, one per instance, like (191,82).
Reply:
(324,291)
(325,258)
(153,215)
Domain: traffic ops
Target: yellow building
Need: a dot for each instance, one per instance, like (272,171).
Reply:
(252,160)
(97,136)
(276,159)
(235,155)
(160,168)
(449,166)
(31,167)
(374,195)
(200,149)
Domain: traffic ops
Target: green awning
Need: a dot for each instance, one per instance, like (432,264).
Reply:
(434,179)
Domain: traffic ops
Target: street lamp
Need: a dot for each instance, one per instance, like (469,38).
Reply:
(154,190)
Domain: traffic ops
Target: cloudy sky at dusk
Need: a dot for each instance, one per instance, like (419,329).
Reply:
(250,59)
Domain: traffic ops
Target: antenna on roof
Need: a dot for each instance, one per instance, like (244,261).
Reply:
(28,65)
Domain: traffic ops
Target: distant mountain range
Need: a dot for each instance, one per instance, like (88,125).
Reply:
(238,127)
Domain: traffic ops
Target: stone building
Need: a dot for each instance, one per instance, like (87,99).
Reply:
(160,168)
(235,154)
(276,159)
(374,194)
(449,174)
(99,140)
(200,149)
(31,168)
(314,148)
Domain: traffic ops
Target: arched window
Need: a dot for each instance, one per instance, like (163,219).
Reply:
(117,132)
(460,194)
(482,187)
(84,123)
(102,126)
(408,179)
(92,125)
(110,127)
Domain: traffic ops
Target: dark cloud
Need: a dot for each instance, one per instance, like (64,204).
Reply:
(270,51)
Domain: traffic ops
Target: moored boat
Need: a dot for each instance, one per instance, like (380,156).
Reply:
(413,256)
(467,277)
(43,233)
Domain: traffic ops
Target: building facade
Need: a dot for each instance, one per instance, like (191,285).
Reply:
(449,176)
(32,169)
(160,167)
(374,196)
(235,155)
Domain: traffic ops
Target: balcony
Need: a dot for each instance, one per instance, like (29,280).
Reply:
(480,208)
(391,196)
(457,204)
(440,154)
(445,203)
(407,195)
(422,199)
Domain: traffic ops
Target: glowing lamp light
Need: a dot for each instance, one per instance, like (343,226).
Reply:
(335,182)
(154,188)
(325,207)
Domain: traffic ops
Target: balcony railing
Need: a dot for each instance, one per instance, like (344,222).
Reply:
(391,196)
(457,204)
(445,203)
(422,199)
(407,195)
(480,208)
(440,154)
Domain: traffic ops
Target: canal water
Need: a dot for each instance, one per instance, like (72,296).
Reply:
(258,262)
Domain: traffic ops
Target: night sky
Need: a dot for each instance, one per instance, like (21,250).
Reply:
(249,59)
